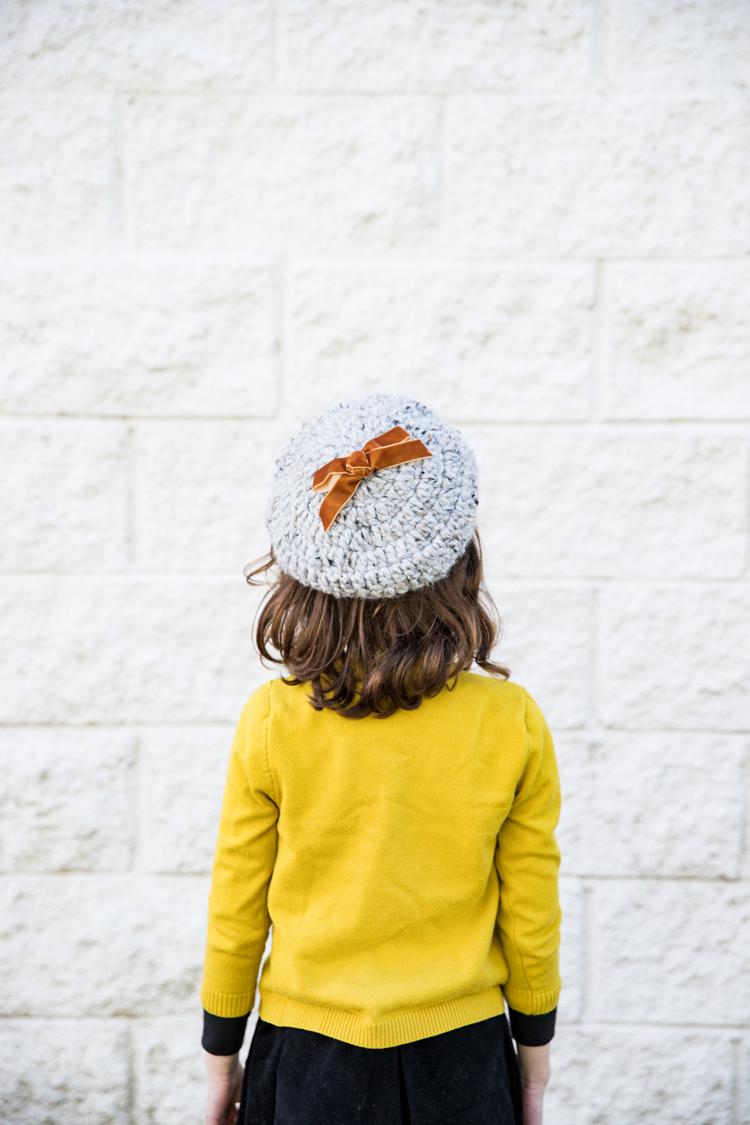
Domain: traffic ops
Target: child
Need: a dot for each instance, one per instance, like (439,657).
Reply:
(389,811)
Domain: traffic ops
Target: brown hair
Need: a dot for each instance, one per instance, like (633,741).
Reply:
(372,657)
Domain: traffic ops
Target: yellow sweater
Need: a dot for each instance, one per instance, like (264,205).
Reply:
(408,865)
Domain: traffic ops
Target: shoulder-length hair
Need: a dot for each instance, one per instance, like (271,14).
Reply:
(373,656)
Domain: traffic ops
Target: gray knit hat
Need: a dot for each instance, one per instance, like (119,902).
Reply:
(404,526)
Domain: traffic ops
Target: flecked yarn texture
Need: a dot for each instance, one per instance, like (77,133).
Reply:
(404,527)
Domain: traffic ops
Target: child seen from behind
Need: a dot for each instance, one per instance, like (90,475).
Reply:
(388,811)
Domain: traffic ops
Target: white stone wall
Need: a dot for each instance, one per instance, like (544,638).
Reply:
(218,216)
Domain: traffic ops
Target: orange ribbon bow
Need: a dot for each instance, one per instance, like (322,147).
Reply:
(340,477)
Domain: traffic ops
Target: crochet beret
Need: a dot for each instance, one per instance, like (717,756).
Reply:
(404,526)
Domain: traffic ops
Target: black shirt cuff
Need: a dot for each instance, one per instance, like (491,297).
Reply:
(223,1035)
(532,1031)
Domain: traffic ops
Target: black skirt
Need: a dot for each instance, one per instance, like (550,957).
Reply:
(468,1076)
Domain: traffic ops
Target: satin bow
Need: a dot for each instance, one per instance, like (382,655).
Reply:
(340,477)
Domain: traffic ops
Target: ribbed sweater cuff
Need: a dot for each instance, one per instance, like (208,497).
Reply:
(531,1003)
(222,1035)
(532,1031)
(227,1004)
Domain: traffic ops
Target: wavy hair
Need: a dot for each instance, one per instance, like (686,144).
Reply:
(374,656)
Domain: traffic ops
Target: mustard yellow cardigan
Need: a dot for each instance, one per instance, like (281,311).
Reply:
(408,865)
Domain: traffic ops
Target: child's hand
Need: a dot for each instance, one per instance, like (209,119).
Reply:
(535,1072)
(224,1088)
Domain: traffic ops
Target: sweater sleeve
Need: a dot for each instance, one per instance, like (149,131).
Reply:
(238,921)
(528,860)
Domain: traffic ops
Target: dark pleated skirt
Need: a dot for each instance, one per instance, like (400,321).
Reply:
(468,1076)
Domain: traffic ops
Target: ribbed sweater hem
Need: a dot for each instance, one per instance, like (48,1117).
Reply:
(420,1023)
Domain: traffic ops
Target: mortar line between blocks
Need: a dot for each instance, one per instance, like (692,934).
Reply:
(593,685)
(514,581)
(596,387)
(640,1024)
(143,876)
(140,795)
(734,1100)
(594,731)
(524,95)
(442,208)
(133,1113)
(613,425)
(283,334)
(746,568)
(744,858)
(116,202)
(231,723)
(277,44)
(128,252)
(131,497)
(586,950)
(352,257)
(565,1021)
(600,37)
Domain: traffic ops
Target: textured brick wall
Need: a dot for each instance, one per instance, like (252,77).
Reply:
(216,218)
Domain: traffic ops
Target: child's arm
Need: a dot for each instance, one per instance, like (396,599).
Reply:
(529,913)
(238,919)
(535,1072)
(528,861)
(225,1076)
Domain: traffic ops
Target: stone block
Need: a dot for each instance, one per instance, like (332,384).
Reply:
(64,1071)
(56,169)
(670,952)
(426,46)
(282,172)
(608,502)
(546,639)
(675,657)
(677,340)
(184,769)
(138,338)
(170,1073)
(95,44)
(475,342)
(597,177)
(202,492)
(130,650)
(742,1050)
(572,950)
(604,1075)
(67,799)
(114,945)
(679,45)
(64,504)
(660,805)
